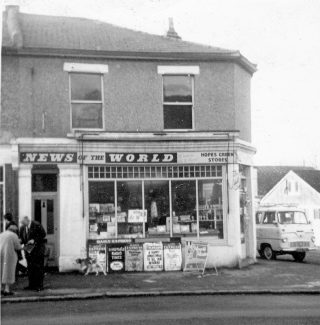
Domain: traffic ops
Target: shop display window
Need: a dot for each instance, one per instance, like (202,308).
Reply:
(210,208)
(102,218)
(129,209)
(184,213)
(153,206)
(157,206)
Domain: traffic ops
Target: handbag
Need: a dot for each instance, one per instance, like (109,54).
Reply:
(29,248)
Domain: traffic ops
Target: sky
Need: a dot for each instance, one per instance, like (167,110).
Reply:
(281,36)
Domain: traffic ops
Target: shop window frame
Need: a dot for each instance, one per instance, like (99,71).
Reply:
(219,175)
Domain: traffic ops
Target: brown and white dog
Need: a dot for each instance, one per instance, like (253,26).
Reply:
(89,265)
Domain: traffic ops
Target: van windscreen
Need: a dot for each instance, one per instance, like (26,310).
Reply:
(292,217)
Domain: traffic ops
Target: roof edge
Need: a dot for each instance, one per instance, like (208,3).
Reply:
(234,56)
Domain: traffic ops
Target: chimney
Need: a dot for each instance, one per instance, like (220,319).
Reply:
(171,33)
(13,22)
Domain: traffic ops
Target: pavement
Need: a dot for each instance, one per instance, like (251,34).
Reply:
(282,276)
(177,310)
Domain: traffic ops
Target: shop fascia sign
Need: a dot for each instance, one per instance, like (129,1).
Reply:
(116,158)
(205,157)
(48,157)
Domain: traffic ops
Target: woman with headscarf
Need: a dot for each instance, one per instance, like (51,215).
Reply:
(8,220)
(9,248)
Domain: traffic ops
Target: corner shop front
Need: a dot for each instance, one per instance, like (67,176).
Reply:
(148,191)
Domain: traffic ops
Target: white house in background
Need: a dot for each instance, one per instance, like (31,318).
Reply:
(297,186)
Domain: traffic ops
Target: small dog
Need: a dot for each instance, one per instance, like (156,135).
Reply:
(90,265)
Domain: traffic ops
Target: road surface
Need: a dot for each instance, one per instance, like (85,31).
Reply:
(266,309)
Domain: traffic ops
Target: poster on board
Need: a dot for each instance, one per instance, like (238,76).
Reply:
(134,258)
(116,258)
(153,256)
(138,216)
(172,256)
(196,255)
(98,253)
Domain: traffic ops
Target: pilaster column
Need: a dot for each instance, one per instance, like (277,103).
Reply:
(233,208)
(25,191)
(71,224)
(251,229)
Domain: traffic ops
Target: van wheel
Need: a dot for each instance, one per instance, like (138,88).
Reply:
(260,253)
(268,253)
(299,256)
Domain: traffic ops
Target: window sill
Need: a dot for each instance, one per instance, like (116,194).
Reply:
(74,132)
(178,130)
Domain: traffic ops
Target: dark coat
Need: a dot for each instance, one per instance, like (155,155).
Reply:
(35,258)
(37,233)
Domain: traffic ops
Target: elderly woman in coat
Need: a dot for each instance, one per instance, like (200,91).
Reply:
(9,247)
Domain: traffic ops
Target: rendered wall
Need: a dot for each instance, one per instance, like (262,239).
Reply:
(35,96)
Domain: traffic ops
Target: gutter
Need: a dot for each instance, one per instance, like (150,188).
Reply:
(232,56)
(156,136)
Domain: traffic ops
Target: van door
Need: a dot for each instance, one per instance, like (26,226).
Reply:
(270,232)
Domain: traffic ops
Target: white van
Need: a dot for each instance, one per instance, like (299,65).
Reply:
(283,230)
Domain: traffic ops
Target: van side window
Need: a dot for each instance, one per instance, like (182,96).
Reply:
(269,218)
(259,216)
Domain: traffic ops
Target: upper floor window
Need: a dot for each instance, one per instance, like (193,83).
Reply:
(178,96)
(178,102)
(86,101)
(86,95)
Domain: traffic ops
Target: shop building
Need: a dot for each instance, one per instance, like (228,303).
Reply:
(115,134)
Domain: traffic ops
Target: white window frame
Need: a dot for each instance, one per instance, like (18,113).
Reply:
(179,103)
(84,68)
(213,241)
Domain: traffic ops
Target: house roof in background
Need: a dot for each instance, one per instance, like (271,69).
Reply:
(81,34)
(269,176)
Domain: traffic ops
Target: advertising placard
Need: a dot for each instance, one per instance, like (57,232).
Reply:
(172,256)
(196,254)
(153,256)
(98,254)
(138,216)
(134,258)
(112,241)
(206,157)
(116,258)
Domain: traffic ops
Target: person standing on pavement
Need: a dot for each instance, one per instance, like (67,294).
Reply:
(33,236)
(8,220)
(9,248)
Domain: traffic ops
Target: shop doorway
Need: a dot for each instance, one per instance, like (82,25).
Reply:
(45,212)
